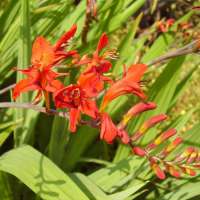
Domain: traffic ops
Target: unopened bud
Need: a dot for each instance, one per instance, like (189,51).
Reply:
(183,156)
(163,137)
(139,151)
(173,171)
(137,109)
(157,170)
(148,124)
(172,146)
(189,171)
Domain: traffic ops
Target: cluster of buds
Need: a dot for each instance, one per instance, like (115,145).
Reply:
(81,98)
(184,28)
(166,142)
(163,26)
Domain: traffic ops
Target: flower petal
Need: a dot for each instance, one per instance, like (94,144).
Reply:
(91,83)
(42,53)
(108,129)
(61,43)
(135,72)
(89,107)
(74,116)
(54,86)
(62,97)
(23,86)
(103,42)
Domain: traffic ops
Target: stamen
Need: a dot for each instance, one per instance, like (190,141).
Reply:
(112,54)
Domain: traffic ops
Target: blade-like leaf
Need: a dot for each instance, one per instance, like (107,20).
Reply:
(5,189)
(41,175)
(89,187)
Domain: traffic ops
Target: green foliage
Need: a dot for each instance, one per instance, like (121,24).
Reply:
(46,165)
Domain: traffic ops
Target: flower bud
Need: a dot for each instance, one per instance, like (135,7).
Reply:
(138,109)
(192,157)
(139,151)
(173,171)
(172,146)
(157,170)
(183,156)
(163,137)
(188,170)
(124,136)
(148,124)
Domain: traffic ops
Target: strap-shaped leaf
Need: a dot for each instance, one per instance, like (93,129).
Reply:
(40,174)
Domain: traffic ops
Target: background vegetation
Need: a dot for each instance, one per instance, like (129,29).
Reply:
(40,158)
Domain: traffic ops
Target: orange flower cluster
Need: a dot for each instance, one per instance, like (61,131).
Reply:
(81,98)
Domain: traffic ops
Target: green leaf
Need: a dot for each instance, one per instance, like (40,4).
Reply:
(77,145)
(126,45)
(154,5)
(117,174)
(120,18)
(182,86)
(5,134)
(59,139)
(22,135)
(5,189)
(41,175)
(92,190)
(186,190)
(128,192)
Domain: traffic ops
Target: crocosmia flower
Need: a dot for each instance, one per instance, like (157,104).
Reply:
(129,84)
(76,99)
(40,75)
(98,63)
(96,66)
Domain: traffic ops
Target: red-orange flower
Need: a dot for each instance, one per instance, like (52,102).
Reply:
(96,66)
(98,63)
(129,84)
(76,99)
(40,75)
